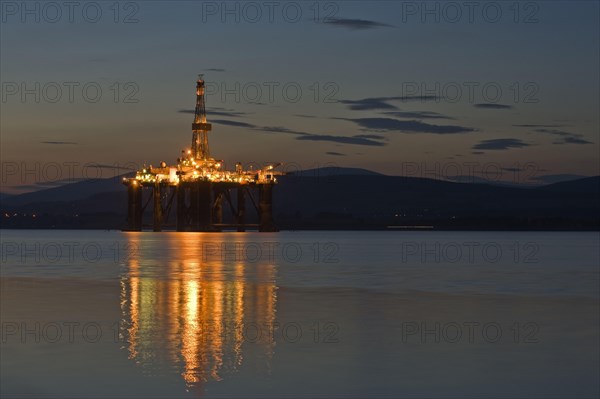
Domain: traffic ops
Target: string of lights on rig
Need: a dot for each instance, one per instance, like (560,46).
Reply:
(198,186)
(189,169)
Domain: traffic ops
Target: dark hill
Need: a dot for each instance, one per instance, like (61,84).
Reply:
(346,199)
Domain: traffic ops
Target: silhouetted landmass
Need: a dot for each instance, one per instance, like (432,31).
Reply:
(69,192)
(583,186)
(340,198)
(333,171)
(377,201)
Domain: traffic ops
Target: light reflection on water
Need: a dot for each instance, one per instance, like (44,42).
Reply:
(198,318)
(194,320)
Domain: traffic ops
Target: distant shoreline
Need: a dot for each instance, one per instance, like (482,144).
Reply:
(396,229)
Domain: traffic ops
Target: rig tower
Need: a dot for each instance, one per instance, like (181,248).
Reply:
(200,128)
(198,186)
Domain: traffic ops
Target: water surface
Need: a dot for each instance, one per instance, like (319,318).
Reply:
(299,314)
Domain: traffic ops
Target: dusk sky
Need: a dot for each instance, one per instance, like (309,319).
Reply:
(384,86)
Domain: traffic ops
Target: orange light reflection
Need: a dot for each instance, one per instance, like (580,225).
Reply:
(192,318)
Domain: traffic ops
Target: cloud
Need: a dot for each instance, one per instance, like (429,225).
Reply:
(215,69)
(304,116)
(375,103)
(572,140)
(566,137)
(335,153)
(529,125)
(363,139)
(233,123)
(371,136)
(493,106)
(500,144)
(368,104)
(417,115)
(280,129)
(389,124)
(59,142)
(232,114)
(355,24)
(356,140)
(341,139)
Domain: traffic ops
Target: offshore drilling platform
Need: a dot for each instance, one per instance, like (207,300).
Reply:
(197,187)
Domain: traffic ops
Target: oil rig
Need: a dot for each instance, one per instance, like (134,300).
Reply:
(197,187)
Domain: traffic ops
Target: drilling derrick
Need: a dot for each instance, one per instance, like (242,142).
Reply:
(200,128)
(197,188)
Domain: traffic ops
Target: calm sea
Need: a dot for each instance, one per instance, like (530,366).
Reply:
(299,314)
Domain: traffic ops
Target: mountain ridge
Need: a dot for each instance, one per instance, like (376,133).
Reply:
(342,201)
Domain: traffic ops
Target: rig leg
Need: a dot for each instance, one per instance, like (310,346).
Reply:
(217,214)
(241,209)
(158,214)
(134,207)
(265,208)
(204,206)
(181,210)
(194,207)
